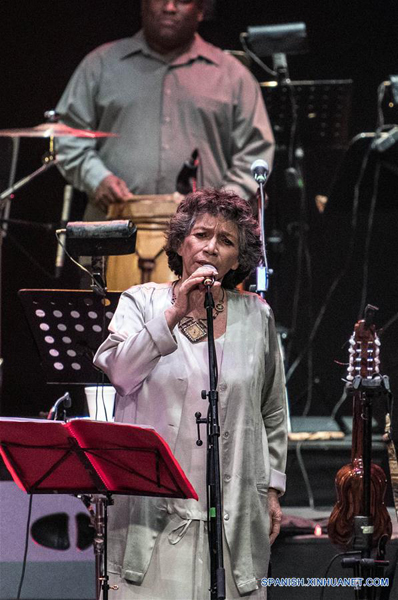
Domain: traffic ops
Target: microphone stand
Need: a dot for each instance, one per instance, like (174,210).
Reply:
(262,271)
(214,505)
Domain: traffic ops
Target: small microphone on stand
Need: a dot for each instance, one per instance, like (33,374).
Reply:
(65,400)
(260,170)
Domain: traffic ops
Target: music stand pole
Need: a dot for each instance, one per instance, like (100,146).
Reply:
(99,520)
(100,545)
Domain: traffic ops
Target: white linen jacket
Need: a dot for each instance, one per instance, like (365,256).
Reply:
(142,360)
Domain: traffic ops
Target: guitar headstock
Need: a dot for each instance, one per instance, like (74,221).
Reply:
(364,349)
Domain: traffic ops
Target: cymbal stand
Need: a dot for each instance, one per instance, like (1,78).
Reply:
(48,159)
(4,216)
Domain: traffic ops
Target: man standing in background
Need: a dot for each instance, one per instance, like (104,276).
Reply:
(165,92)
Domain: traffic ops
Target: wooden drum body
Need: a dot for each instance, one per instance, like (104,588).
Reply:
(150,214)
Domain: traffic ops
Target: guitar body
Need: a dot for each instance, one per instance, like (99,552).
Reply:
(349,482)
(349,489)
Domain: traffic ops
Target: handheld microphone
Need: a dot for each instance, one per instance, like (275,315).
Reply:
(60,257)
(260,170)
(209,280)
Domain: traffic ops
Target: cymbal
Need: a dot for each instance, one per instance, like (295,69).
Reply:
(46,130)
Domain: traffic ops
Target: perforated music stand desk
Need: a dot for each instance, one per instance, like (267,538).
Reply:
(68,327)
(323,110)
(91,457)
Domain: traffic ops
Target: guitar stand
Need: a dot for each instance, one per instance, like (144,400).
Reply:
(366,566)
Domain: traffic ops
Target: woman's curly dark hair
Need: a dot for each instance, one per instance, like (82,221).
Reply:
(232,208)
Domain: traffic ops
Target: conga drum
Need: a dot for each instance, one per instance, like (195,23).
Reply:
(150,214)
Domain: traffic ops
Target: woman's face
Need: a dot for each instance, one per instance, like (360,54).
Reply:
(212,241)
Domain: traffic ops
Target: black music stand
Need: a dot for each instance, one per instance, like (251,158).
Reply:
(68,327)
(91,457)
(310,122)
(323,111)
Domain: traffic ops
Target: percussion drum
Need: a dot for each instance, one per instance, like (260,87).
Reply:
(150,214)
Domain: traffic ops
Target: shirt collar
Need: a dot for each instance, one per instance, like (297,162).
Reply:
(198,49)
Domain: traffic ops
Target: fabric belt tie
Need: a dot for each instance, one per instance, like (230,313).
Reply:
(176,536)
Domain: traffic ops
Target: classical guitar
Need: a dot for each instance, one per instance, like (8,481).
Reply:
(363,365)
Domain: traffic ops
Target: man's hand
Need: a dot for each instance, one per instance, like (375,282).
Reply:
(111,189)
(275,515)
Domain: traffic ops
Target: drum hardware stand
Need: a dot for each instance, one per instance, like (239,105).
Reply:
(6,196)
(4,215)
(48,159)
(50,129)
(5,203)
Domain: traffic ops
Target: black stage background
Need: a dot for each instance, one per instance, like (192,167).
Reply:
(41,44)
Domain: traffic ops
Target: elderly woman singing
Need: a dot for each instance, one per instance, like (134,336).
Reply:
(156,357)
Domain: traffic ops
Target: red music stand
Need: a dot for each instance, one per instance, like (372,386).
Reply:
(91,457)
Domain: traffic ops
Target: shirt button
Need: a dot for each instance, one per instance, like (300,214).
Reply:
(167,91)
(165,146)
(222,387)
(226,516)
(167,119)
(226,434)
(227,478)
